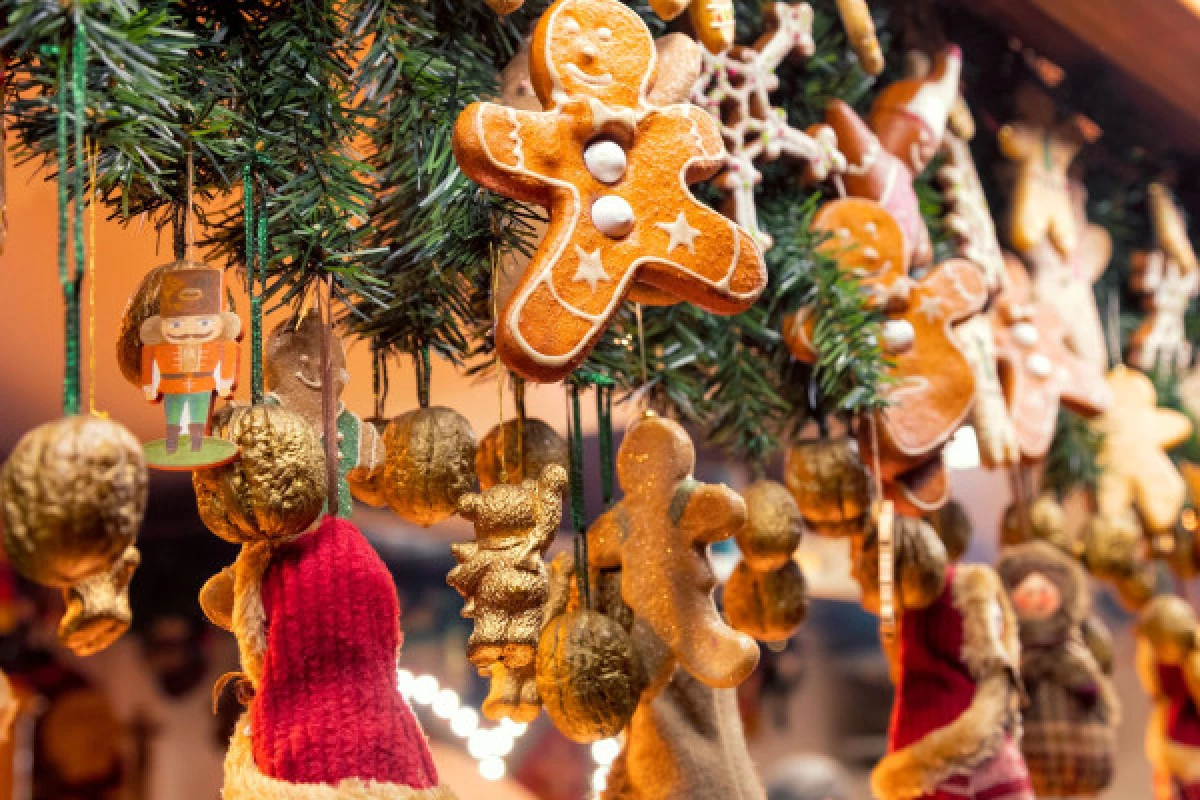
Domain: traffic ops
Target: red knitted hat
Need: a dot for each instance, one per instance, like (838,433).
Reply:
(327,708)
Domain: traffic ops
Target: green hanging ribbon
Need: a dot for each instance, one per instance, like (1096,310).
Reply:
(256,273)
(604,423)
(575,461)
(423,367)
(71,187)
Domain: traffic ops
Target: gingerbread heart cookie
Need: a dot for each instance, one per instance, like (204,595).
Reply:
(613,172)
(1039,370)
(1136,471)
(933,387)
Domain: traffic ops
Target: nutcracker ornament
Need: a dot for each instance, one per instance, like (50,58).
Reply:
(954,662)
(189,351)
(1168,660)
(293,376)
(1070,723)
(316,618)
(504,581)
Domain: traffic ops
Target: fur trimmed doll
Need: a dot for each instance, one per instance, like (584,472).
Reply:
(316,617)
(1168,660)
(1070,722)
(953,734)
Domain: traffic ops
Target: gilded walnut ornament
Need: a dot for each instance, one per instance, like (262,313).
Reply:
(73,493)
(430,463)
(766,605)
(516,450)
(830,483)
(773,526)
(275,489)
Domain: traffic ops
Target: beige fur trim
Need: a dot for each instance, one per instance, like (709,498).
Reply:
(991,638)
(964,744)
(244,781)
(1180,761)
(249,617)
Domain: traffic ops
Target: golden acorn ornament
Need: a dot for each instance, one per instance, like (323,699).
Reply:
(143,304)
(366,482)
(275,489)
(1138,588)
(773,526)
(588,677)
(830,484)
(430,464)
(518,449)
(73,494)
(771,605)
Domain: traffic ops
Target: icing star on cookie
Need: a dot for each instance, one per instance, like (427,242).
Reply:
(613,170)
(1040,370)
(1135,468)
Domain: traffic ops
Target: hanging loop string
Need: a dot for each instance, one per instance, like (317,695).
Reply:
(72,101)
(93,164)
(255,217)
(329,410)
(575,449)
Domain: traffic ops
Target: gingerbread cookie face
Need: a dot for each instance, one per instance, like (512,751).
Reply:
(615,181)
(1169,279)
(1039,369)
(658,534)
(735,88)
(1136,470)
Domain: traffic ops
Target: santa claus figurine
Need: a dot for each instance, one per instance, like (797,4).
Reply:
(316,617)
(1168,659)
(953,661)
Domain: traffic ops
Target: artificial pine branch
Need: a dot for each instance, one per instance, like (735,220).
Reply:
(1071,462)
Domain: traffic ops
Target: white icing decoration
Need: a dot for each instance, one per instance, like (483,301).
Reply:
(1039,365)
(870,253)
(613,216)
(590,270)
(606,161)
(930,308)
(1025,334)
(872,229)
(898,335)
(681,233)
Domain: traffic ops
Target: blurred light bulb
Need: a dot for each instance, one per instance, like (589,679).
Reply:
(404,681)
(425,689)
(604,752)
(491,768)
(478,745)
(446,703)
(464,722)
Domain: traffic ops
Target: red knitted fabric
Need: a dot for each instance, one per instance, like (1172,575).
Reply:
(935,686)
(327,707)
(1183,719)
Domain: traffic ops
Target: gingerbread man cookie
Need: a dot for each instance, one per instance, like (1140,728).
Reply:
(910,115)
(1042,149)
(1169,278)
(1039,369)
(933,386)
(658,535)
(735,88)
(712,21)
(1136,470)
(1066,283)
(613,172)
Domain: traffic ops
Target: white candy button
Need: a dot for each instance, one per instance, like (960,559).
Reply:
(612,216)
(1025,334)
(1039,365)
(898,335)
(605,160)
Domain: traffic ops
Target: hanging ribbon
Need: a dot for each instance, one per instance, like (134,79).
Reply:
(93,164)
(255,216)
(72,102)
(329,410)
(379,379)
(422,367)
(3,149)
(575,460)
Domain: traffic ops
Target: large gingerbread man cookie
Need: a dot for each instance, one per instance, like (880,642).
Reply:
(1040,370)
(613,172)
(933,386)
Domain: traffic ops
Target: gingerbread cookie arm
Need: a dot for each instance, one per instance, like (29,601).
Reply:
(487,144)
(996,436)
(711,512)
(669,9)
(961,287)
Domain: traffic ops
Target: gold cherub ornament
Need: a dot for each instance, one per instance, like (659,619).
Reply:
(504,581)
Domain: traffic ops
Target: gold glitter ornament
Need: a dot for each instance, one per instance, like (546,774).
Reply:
(143,304)
(504,581)
(953,527)
(1113,545)
(73,493)
(773,526)
(430,463)
(503,456)
(830,483)
(1168,623)
(920,563)
(587,675)
(1044,520)
(275,489)
(367,482)
(767,605)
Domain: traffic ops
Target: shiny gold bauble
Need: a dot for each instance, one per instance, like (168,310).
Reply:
(430,463)
(142,305)
(73,493)
(830,483)
(366,483)
(773,526)
(276,487)
(588,677)
(953,527)
(766,605)
(1169,624)
(1138,588)
(1113,545)
(503,459)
